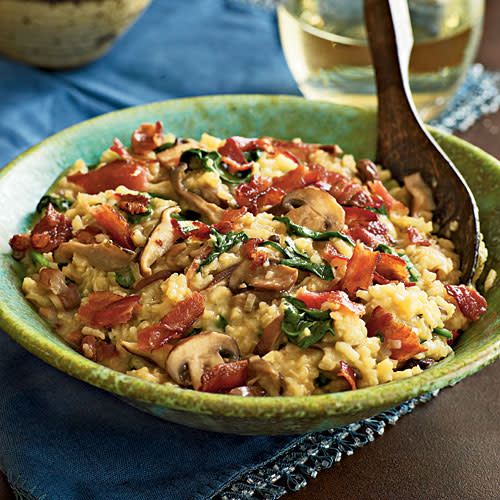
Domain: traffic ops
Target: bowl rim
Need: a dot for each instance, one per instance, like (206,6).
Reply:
(284,407)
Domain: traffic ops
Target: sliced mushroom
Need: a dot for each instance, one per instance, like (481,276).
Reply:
(159,242)
(105,256)
(262,373)
(55,281)
(275,277)
(170,157)
(270,337)
(422,203)
(160,275)
(192,356)
(158,356)
(314,208)
(210,211)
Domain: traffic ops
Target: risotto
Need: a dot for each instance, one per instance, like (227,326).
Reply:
(245,266)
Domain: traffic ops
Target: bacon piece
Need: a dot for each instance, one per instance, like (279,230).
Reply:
(344,189)
(365,226)
(106,309)
(348,373)
(233,214)
(174,324)
(52,230)
(126,173)
(359,271)
(19,244)
(314,300)
(225,376)
(75,337)
(96,349)
(133,204)
(297,178)
(470,302)
(55,281)
(249,250)
(392,267)
(333,256)
(258,193)
(390,202)
(301,150)
(147,137)
(233,156)
(115,224)
(416,238)
(392,329)
(251,144)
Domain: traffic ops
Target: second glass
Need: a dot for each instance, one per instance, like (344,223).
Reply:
(326,49)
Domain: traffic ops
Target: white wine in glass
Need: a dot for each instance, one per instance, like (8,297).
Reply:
(326,49)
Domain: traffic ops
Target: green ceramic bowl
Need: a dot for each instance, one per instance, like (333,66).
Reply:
(26,179)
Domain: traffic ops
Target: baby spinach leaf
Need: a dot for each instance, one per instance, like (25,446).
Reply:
(299,260)
(305,232)
(221,323)
(322,379)
(125,278)
(163,147)
(222,244)
(298,318)
(60,204)
(212,161)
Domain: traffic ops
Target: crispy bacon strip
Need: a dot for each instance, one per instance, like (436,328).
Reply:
(147,137)
(258,193)
(225,376)
(390,202)
(52,230)
(106,309)
(249,144)
(359,271)
(365,226)
(249,250)
(115,224)
(233,156)
(416,238)
(392,267)
(297,178)
(126,173)
(19,244)
(392,329)
(174,324)
(96,349)
(233,214)
(133,204)
(348,373)
(314,300)
(470,302)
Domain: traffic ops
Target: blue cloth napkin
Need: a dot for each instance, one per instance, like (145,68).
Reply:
(61,438)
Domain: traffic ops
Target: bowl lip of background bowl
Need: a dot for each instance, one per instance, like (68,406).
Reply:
(284,407)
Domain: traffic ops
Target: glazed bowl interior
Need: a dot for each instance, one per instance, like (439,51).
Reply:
(27,178)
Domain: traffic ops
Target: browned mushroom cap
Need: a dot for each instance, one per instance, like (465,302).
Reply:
(262,373)
(275,277)
(159,242)
(158,356)
(105,256)
(270,336)
(315,209)
(422,203)
(55,281)
(170,157)
(192,356)
(209,211)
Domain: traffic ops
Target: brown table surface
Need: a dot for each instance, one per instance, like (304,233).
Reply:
(449,448)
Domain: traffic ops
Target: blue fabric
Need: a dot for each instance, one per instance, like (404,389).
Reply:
(60,437)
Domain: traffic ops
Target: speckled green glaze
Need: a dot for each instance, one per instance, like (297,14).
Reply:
(26,179)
